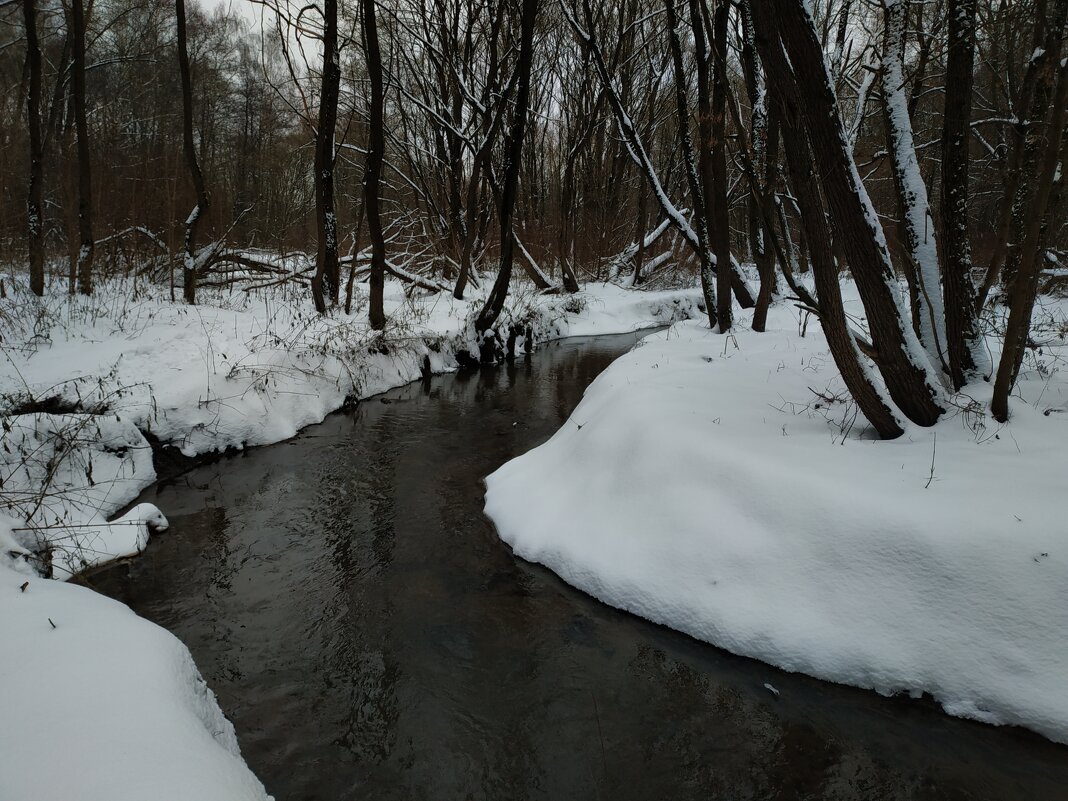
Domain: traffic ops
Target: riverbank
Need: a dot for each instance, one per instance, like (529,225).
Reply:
(85,385)
(89,387)
(727,488)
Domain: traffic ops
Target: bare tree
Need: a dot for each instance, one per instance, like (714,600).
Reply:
(34,197)
(1028,251)
(786,95)
(373,175)
(513,146)
(190,265)
(856,228)
(921,258)
(961,326)
(85,183)
(327,270)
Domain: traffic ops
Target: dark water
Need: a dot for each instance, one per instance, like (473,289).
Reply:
(370,637)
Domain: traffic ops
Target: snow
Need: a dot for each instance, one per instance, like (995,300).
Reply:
(101,705)
(234,371)
(239,371)
(63,474)
(918,223)
(724,487)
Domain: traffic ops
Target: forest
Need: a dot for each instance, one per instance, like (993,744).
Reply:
(449,144)
(221,223)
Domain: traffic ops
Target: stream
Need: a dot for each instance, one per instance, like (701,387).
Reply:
(370,636)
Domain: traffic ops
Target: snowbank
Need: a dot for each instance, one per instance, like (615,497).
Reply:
(63,475)
(232,372)
(240,370)
(101,705)
(722,486)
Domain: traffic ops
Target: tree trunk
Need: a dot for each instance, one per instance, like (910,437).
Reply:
(763,129)
(922,268)
(697,198)
(961,329)
(717,193)
(1025,287)
(189,269)
(325,283)
(85,184)
(34,197)
(514,149)
(900,357)
(373,172)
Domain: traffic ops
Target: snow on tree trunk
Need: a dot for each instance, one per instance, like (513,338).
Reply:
(917,223)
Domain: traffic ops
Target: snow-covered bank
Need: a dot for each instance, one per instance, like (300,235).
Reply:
(722,486)
(234,371)
(101,705)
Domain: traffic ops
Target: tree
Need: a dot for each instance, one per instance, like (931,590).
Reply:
(34,197)
(373,174)
(85,183)
(961,324)
(513,145)
(785,95)
(856,229)
(190,265)
(1028,251)
(327,270)
(921,262)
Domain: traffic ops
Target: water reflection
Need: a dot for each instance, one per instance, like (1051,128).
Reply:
(370,636)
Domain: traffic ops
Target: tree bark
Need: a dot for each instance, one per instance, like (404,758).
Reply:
(326,281)
(1025,287)
(961,328)
(85,183)
(373,172)
(189,268)
(34,197)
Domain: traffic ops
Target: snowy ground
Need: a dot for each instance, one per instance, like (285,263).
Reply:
(724,486)
(87,380)
(98,703)
(101,705)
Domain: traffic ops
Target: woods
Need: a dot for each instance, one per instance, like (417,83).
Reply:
(525,398)
(578,140)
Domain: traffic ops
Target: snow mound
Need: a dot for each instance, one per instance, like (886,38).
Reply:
(723,486)
(63,475)
(72,662)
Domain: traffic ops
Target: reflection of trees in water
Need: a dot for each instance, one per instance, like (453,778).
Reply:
(368,719)
(355,494)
